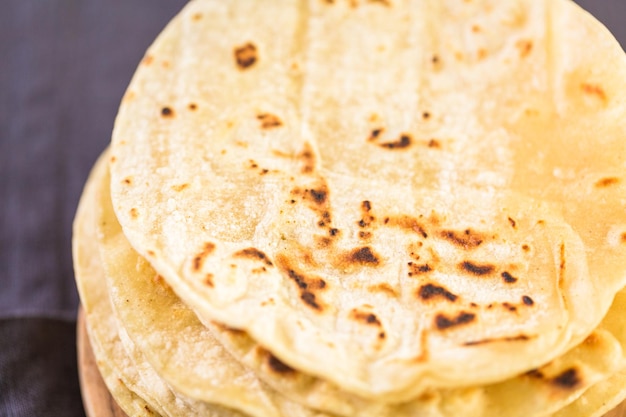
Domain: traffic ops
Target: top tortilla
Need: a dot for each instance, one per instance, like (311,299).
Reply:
(390,195)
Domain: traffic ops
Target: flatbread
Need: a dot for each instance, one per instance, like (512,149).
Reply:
(187,355)
(136,387)
(389,195)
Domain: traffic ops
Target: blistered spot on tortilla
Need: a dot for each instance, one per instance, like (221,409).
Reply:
(527,300)
(306,285)
(606,182)
(307,158)
(476,269)
(406,222)
(198,260)
(254,253)
(147,60)
(196,16)
(268,120)
(208,280)
(476,28)
(594,90)
(246,55)
(481,53)
(167,112)
(443,322)
(431,291)
(512,222)
(365,317)
(192,106)
(418,269)
(362,256)
(510,307)
(508,278)
(128,180)
(375,134)
(180,187)
(567,379)
(518,338)
(383,288)
(112,159)
(434,144)
(467,239)
(134,213)
(426,115)
(310,299)
(526,248)
(403,142)
(524,46)
(623,237)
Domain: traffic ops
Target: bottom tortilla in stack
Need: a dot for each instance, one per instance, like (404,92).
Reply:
(156,355)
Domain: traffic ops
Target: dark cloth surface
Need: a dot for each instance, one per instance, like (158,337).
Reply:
(64,65)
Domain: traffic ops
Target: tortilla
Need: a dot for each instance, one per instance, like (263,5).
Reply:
(392,196)
(136,387)
(187,355)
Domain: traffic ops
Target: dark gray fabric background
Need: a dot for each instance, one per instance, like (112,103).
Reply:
(64,65)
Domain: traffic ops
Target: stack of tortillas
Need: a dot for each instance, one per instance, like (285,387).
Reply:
(411,208)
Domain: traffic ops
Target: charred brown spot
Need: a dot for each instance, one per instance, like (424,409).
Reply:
(128,180)
(382,335)
(594,90)
(623,237)
(278,366)
(512,222)
(418,269)
(525,47)
(535,373)
(383,288)
(148,60)
(269,121)
(527,300)
(509,307)
(333,232)
(426,115)
(508,278)
(375,134)
(434,143)
(525,248)
(134,212)
(180,187)
(365,235)
(306,285)
(198,260)
(605,182)
(307,156)
(167,112)
(310,299)
(567,379)
(476,269)
(444,322)
(319,196)
(246,55)
(366,205)
(192,106)
(208,280)
(403,142)
(254,253)
(363,256)
(430,291)
(466,239)
(365,317)
(406,222)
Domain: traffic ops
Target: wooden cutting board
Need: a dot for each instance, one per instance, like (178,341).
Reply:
(98,401)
